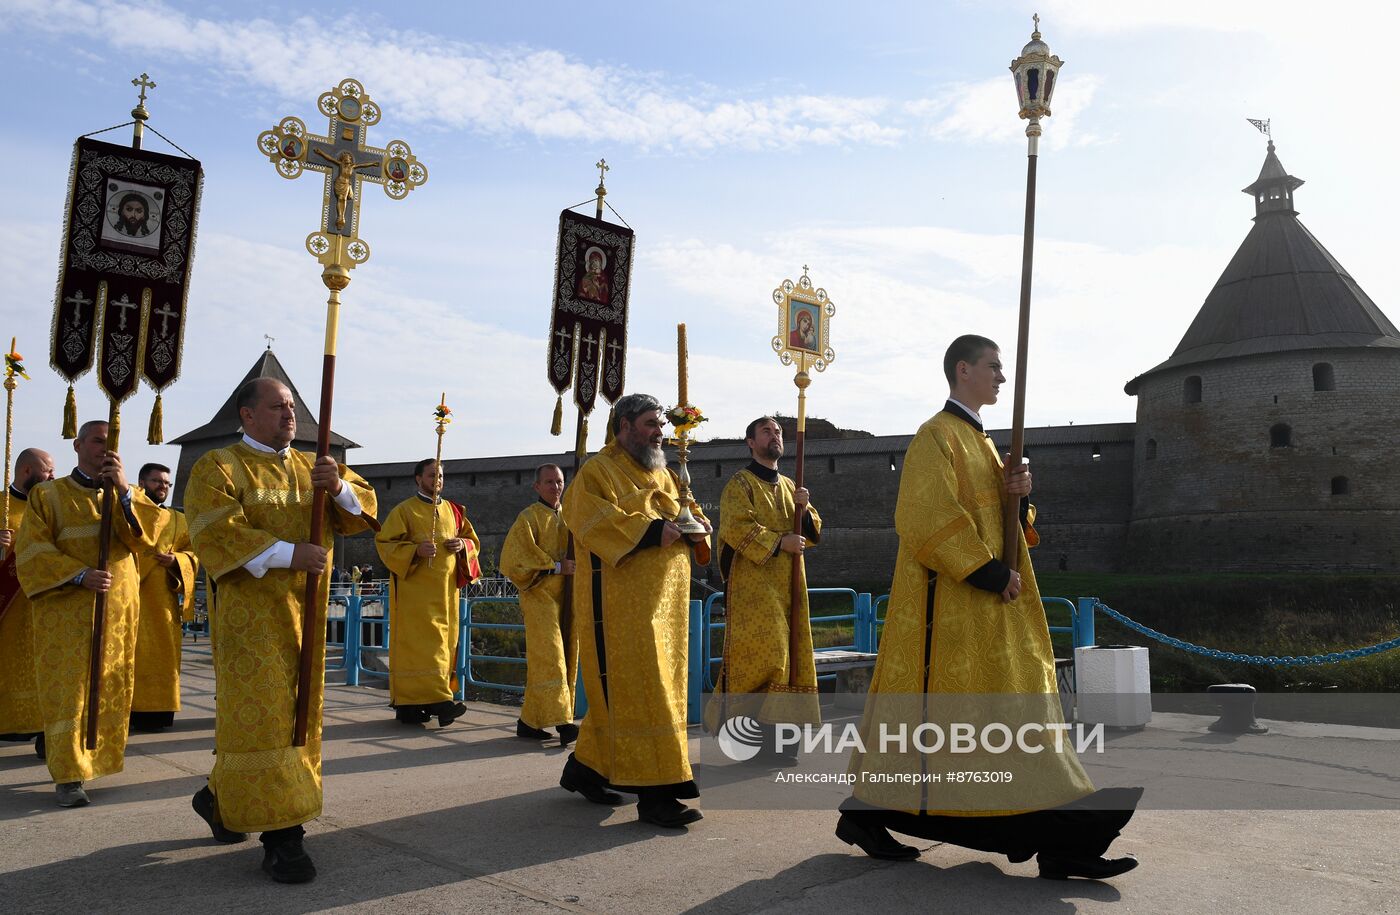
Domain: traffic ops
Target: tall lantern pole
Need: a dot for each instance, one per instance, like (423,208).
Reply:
(1035,72)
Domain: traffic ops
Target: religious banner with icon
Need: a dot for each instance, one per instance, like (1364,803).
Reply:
(127,250)
(588,329)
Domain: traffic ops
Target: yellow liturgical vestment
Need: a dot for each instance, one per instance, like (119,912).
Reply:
(59,539)
(424,600)
(631,608)
(954,653)
(167,600)
(535,544)
(19,693)
(240,502)
(768,672)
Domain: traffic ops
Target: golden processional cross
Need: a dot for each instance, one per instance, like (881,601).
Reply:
(347,162)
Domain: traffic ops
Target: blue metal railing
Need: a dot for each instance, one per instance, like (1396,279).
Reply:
(465,656)
(360,633)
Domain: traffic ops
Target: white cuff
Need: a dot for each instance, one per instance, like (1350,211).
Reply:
(347,498)
(277,556)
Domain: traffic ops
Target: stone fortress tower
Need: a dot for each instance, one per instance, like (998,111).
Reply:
(1267,441)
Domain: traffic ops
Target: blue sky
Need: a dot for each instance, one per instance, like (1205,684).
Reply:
(878,144)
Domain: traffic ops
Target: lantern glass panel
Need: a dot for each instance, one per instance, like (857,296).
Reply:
(1033,80)
(1020,90)
(1049,84)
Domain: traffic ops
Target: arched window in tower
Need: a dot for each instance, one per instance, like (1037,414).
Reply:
(1151,449)
(1340,486)
(1191,390)
(1324,379)
(1280,436)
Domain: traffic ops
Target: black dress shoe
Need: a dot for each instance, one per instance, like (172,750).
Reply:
(568,733)
(412,714)
(1058,867)
(573,781)
(669,813)
(203,804)
(1016,857)
(448,712)
(288,862)
(524,730)
(875,841)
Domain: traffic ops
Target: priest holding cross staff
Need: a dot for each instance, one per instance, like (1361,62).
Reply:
(267,557)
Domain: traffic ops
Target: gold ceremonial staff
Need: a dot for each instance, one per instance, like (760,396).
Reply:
(443,416)
(1035,72)
(14,365)
(804,333)
(338,247)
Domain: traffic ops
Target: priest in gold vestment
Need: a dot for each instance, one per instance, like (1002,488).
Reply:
(167,601)
(425,586)
(534,559)
(966,640)
(21,718)
(768,672)
(249,511)
(57,553)
(631,604)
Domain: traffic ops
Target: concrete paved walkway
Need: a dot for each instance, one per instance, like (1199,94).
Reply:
(470,819)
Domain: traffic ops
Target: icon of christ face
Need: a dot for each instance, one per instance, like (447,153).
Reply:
(132,216)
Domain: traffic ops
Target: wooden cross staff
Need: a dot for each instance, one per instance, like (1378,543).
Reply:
(347,163)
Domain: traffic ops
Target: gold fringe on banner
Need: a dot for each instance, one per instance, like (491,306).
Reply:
(557,425)
(612,412)
(581,446)
(155,434)
(70,415)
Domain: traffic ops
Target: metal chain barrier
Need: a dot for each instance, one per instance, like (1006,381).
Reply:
(1332,657)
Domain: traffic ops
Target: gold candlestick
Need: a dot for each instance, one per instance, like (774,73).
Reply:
(683,417)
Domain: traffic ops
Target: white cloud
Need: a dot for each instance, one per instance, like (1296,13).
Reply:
(526,91)
(985,111)
(496,90)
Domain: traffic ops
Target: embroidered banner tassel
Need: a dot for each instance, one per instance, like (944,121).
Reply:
(557,425)
(70,415)
(155,433)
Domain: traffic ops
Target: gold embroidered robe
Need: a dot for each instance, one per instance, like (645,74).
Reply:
(59,539)
(536,541)
(167,600)
(19,692)
(424,600)
(633,639)
(959,654)
(241,501)
(768,671)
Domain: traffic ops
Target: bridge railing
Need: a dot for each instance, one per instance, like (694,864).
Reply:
(355,632)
